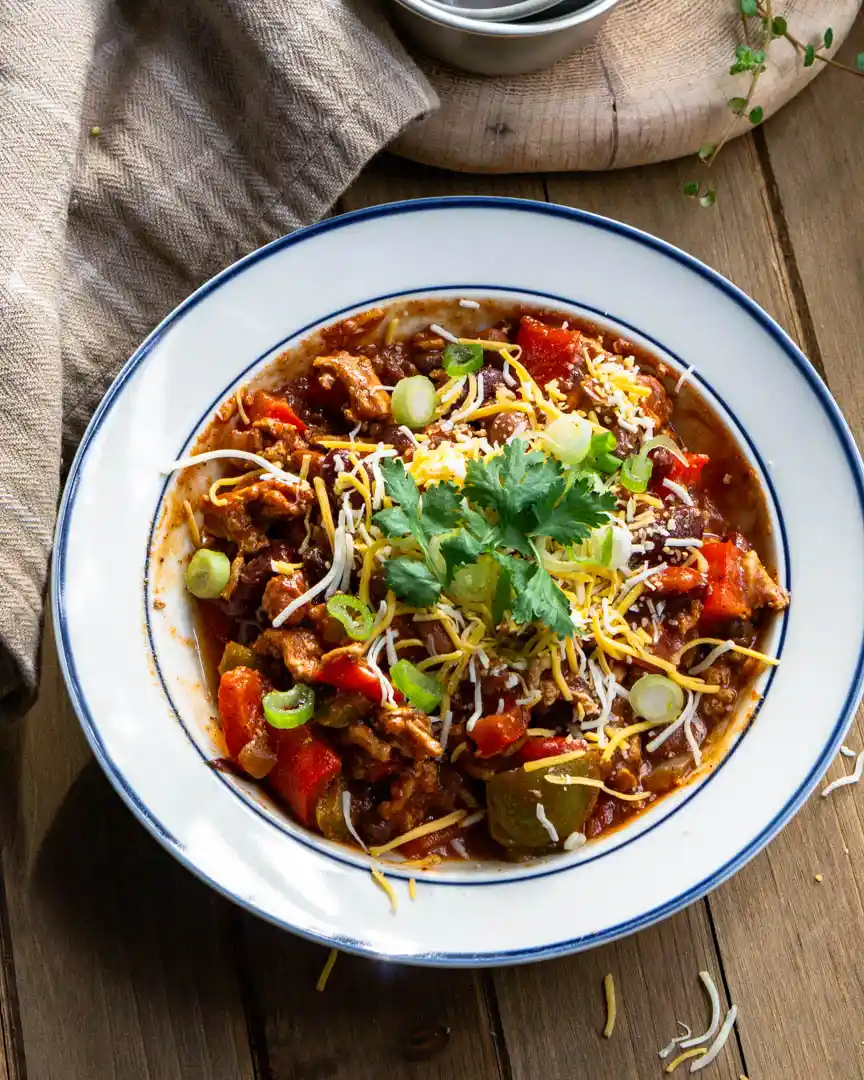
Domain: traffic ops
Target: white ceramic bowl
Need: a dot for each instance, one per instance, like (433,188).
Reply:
(495,10)
(499,48)
(133,674)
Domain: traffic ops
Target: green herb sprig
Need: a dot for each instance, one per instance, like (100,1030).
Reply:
(751,59)
(505,505)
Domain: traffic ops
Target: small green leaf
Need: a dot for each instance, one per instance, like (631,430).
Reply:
(758,57)
(828,39)
(708,199)
(809,56)
(412,581)
(705,151)
(749,8)
(779,26)
(859,61)
(756,115)
(691,189)
(737,105)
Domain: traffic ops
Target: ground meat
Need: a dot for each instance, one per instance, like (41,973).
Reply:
(246,597)
(280,441)
(299,651)
(677,743)
(410,731)
(657,404)
(677,523)
(715,707)
(362,736)
(393,363)
(415,797)
(280,591)
(504,426)
(551,693)
(761,589)
(434,637)
(244,513)
(344,334)
(368,399)
(245,439)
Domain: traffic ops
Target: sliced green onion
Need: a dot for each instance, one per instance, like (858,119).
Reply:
(568,438)
(604,442)
(413,402)
(355,617)
(289,708)
(462,360)
(207,573)
(612,546)
(635,474)
(664,442)
(608,463)
(476,582)
(656,698)
(422,690)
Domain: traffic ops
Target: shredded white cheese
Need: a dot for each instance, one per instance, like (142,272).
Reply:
(478,696)
(441,332)
(847,751)
(845,781)
(679,490)
(272,472)
(714,998)
(469,304)
(684,542)
(684,377)
(331,578)
(718,1043)
(715,654)
(667,1050)
(346,813)
(546,823)
(574,840)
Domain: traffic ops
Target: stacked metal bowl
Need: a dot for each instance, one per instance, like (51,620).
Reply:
(502,37)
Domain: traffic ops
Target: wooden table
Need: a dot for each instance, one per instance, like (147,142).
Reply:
(117,964)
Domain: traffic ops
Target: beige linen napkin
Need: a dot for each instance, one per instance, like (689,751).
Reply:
(146,144)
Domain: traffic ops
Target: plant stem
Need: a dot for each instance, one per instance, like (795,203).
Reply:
(802,48)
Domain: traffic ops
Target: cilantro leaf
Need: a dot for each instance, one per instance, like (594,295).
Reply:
(440,508)
(539,598)
(394,522)
(412,581)
(460,550)
(401,486)
(571,517)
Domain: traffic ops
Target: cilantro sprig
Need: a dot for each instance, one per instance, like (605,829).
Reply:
(506,504)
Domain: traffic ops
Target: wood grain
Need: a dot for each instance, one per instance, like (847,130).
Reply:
(790,942)
(653,86)
(123,962)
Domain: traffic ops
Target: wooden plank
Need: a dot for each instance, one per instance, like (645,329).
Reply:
(364,1021)
(789,941)
(657,970)
(123,961)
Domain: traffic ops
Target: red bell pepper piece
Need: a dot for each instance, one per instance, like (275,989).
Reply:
(266,406)
(305,767)
(726,596)
(548,352)
(677,579)
(548,746)
(354,676)
(240,694)
(689,474)
(494,733)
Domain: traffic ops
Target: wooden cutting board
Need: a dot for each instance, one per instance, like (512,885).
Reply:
(653,86)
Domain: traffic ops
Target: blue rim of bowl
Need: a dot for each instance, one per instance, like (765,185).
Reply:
(555,865)
(491,958)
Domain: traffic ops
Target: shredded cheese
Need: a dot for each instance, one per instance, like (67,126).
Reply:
(620,735)
(558,759)
(673,1065)
(543,818)
(588,781)
(412,888)
(346,813)
(238,397)
(714,998)
(321,985)
(272,471)
(194,531)
(421,830)
(611,1006)
(718,1044)
(727,646)
(387,888)
(845,781)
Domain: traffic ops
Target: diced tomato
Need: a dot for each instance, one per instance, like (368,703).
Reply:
(548,746)
(726,596)
(494,733)
(305,767)
(677,579)
(240,693)
(354,676)
(266,406)
(548,352)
